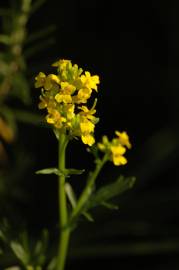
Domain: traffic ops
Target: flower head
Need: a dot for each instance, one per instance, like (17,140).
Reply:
(115,149)
(63,93)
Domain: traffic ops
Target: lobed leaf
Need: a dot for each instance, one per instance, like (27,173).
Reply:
(110,191)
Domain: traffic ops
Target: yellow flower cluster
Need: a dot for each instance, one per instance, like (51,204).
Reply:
(64,95)
(116,148)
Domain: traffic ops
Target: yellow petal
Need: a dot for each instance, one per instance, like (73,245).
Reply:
(88,139)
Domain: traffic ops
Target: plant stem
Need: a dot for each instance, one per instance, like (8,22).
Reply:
(87,190)
(63,214)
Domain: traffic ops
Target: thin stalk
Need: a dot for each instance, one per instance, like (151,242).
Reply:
(63,214)
(87,190)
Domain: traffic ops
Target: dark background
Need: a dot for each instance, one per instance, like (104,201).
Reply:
(134,47)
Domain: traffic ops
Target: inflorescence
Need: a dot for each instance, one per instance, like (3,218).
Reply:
(65,96)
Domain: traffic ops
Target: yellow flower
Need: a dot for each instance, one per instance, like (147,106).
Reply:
(89,81)
(88,139)
(63,98)
(67,88)
(117,155)
(65,93)
(46,102)
(83,95)
(70,111)
(123,139)
(88,113)
(43,103)
(55,118)
(86,126)
(52,81)
(86,131)
(62,63)
(40,80)
(115,149)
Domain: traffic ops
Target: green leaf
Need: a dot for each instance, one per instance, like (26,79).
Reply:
(2,236)
(70,194)
(50,171)
(72,198)
(20,252)
(88,216)
(110,191)
(74,171)
(110,205)
(52,264)
(56,171)
(56,132)
(41,248)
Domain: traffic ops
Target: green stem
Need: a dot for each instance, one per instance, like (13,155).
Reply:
(87,190)
(63,214)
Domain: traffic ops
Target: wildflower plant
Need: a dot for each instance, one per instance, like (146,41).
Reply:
(66,97)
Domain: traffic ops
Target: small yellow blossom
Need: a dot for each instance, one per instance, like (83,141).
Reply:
(115,149)
(88,113)
(117,155)
(124,139)
(89,81)
(88,139)
(52,81)
(67,88)
(86,126)
(63,98)
(70,114)
(55,118)
(83,95)
(43,103)
(40,80)
(62,63)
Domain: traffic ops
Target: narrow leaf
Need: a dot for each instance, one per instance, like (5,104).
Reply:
(52,264)
(110,191)
(50,171)
(19,252)
(70,194)
(74,171)
(110,205)
(88,216)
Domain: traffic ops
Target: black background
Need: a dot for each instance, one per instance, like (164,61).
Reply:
(134,47)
